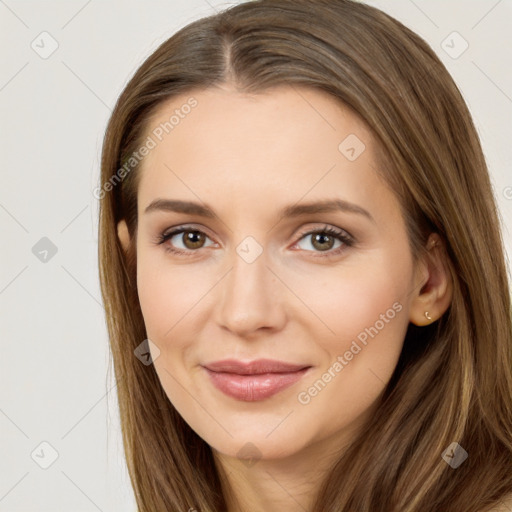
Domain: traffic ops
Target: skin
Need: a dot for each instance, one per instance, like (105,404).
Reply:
(248,156)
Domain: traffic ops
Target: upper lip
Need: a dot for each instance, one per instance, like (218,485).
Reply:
(255,367)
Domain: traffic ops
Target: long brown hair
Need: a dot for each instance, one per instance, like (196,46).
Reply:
(453,381)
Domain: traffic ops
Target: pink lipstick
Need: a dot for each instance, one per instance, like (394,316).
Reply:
(255,380)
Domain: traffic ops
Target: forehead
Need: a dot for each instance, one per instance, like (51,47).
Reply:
(282,144)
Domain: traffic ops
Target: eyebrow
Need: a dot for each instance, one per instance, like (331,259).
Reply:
(295,210)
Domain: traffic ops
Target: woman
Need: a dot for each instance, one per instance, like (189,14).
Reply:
(303,271)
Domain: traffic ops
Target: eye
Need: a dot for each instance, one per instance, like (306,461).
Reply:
(190,239)
(323,240)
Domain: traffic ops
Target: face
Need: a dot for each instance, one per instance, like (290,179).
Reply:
(262,274)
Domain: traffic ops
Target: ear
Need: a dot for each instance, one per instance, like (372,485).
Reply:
(123,234)
(434,287)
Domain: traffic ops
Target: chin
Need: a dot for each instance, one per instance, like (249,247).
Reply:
(256,446)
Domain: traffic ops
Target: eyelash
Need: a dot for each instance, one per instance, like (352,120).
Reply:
(343,236)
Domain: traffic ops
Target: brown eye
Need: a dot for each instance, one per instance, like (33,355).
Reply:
(184,241)
(328,241)
(193,239)
(322,241)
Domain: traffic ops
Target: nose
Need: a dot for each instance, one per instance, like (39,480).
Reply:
(251,298)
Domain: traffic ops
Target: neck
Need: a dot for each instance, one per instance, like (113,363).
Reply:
(267,485)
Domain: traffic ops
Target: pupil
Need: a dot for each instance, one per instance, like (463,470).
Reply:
(323,239)
(193,239)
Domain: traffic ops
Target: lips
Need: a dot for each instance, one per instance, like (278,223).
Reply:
(254,367)
(254,380)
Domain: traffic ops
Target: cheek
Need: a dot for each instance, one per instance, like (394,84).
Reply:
(157,299)
(364,319)
(171,298)
(347,302)
(366,311)
(157,295)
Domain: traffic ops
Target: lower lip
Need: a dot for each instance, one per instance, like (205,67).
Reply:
(251,388)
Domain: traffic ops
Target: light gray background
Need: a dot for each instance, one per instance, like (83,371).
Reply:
(53,114)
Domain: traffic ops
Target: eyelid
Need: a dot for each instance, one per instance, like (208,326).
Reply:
(185,227)
(326,227)
(302,233)
(169,233)
(340,234)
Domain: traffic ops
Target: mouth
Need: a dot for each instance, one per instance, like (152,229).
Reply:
(255,380)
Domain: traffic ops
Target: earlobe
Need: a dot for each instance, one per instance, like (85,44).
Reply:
(433,295)
(123,234)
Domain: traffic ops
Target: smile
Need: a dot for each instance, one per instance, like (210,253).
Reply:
(254,381)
